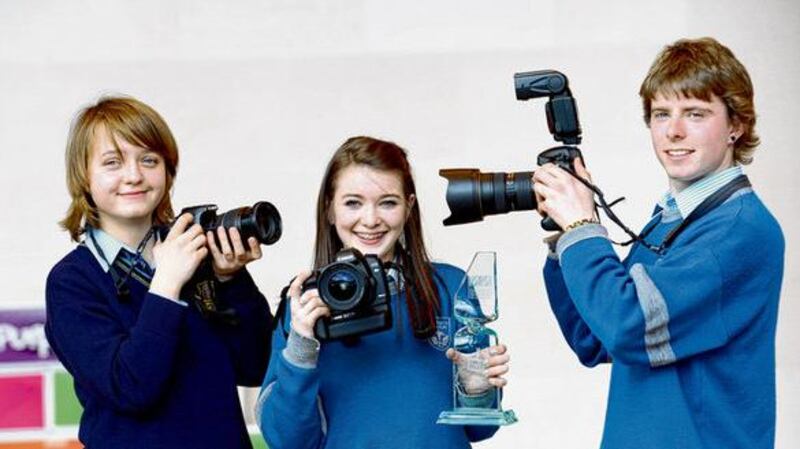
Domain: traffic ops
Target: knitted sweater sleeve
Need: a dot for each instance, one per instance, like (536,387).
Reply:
(249,340)
(587,347)
(289,410)
(128,366)
(697,297)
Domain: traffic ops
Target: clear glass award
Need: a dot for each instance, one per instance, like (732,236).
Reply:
(475,305)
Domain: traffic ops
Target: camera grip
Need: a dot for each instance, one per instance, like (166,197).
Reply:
(548,224)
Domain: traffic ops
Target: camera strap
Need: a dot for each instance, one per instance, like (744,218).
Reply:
(709,204)
(280,313)
(127,266)
(712,202)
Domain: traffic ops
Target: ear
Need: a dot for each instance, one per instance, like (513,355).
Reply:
(736,130)
(329,214)
(410,202)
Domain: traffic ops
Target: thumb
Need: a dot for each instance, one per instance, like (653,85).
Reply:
(580,169)
(453,355)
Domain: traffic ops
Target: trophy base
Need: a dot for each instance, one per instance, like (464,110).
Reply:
(466,416)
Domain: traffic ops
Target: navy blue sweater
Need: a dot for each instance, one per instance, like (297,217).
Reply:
(385,392)
(691,332)
(149,372)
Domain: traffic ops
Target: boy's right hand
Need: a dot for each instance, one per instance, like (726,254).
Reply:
(307,307)
(177,257)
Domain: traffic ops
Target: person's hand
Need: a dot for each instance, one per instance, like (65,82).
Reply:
(231,255)
(307,307)
(481,370)
(177,257)
(562,197)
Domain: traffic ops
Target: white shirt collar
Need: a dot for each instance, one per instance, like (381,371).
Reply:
(689,198)
(108,244)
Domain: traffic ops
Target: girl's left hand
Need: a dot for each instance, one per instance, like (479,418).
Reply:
(231,254)
(481,370)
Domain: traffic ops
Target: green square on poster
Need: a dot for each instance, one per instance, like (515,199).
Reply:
(68,409)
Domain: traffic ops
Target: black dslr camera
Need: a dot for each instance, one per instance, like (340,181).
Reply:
(356,290)
(471,194)
(261,221)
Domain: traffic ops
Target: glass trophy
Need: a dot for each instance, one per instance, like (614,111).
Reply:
(475,305)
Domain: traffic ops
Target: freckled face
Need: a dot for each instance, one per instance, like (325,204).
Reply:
(369,209)
(127,182)
(691,137)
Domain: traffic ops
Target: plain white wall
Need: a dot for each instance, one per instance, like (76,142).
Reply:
(259,93)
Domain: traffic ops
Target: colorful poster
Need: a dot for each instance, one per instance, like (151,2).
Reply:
(21,402)
(22,336)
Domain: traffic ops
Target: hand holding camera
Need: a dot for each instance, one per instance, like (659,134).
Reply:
(177,256)
(306,306)
(355,290)
(234,237)
(561,196)
(231,254)
(236,242)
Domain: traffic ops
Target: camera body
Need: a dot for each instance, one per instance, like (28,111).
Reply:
(471,194)
(356,289)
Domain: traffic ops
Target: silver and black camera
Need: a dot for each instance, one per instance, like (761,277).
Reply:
(356,289)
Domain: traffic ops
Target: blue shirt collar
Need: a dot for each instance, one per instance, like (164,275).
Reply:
(687,200)
(109,245)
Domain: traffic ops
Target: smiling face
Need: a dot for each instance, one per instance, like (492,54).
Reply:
(369,209)
(126,182)
(692,138)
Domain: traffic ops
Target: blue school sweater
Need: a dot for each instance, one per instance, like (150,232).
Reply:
(384,392)
(149,372)
(690,333)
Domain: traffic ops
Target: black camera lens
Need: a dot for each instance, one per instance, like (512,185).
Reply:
(261,221)
(341,286)
(471,195)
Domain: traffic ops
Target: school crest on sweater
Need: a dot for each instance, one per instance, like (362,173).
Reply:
(441,339)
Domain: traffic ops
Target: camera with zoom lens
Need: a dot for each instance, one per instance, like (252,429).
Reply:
(471,194)
(356,290)
(261,221)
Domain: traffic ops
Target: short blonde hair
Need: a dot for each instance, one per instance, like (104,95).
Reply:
(698,68)
(131,120)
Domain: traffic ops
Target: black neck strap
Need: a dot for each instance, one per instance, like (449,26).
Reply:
(709,204)
(123,292)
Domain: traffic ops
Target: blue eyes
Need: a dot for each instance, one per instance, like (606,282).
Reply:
(150,161)
(663,115)
(147,161)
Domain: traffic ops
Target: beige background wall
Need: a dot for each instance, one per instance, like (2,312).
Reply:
(259,93)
